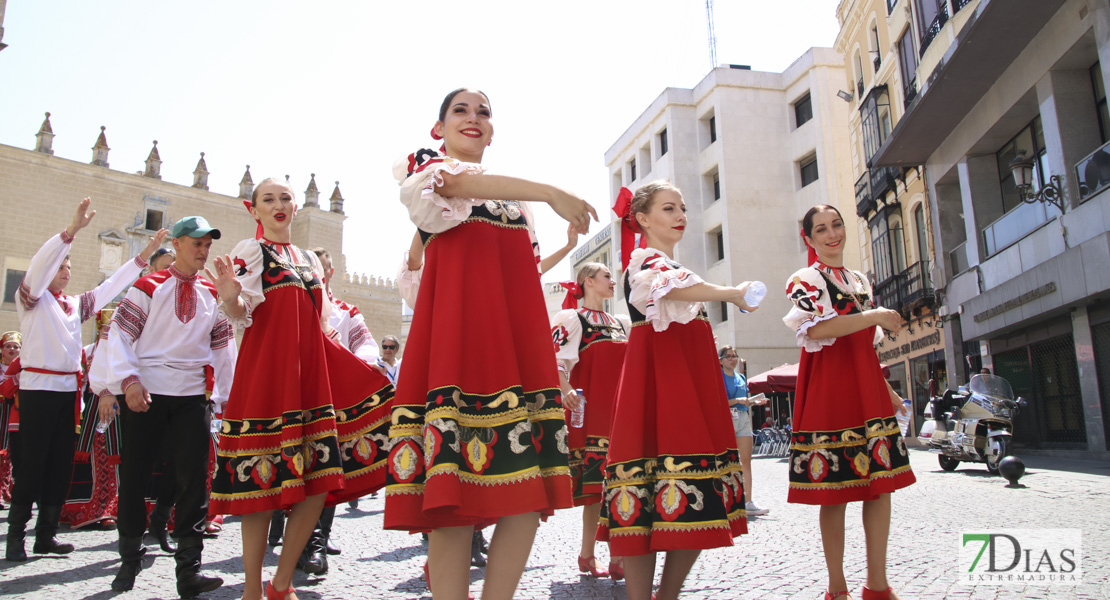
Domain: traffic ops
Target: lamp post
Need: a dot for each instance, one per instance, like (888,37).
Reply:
(1052,192)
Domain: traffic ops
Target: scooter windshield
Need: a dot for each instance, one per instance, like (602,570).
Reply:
(991,386)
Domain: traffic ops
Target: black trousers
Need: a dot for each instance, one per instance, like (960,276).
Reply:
(47,440)
(180,424)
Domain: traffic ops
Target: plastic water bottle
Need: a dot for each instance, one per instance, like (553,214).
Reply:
(904,420)
(102,426)
(578,415)
(757,291)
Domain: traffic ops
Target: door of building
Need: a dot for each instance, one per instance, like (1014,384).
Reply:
(1047,376)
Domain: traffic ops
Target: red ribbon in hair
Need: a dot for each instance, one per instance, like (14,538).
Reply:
(811,254)
(574,294)
(257,230)
(629,228)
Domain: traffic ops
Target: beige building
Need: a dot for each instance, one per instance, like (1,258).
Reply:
(751,152)
(1011,125)
(880,42)
(39,192)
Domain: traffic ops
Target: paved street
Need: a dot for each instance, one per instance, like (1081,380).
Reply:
(780,558)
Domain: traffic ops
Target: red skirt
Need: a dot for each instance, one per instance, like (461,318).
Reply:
(673,479)
(478,430)
(304,416)
(597,373)
(846,445)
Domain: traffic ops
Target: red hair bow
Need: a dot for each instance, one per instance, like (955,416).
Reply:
(574,294)
(258,233)
(811,254)
(629,227)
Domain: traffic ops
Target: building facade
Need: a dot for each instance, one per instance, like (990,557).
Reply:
(39,191)
(751,152)
(880,41)
(1013,92)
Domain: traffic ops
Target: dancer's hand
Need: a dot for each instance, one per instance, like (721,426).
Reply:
(108,408)
(153,244)
(571,399)
(574,209)
(227,284)
(81,217)
(888,319)
(137,397)
(741,291)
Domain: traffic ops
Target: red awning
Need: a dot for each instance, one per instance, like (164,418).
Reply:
(782,379)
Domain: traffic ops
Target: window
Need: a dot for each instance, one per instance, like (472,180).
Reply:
(809,171)
(876,122)
(662,142)
(720,235)
(724,311)
(712,129)
(645,160)
(716,186)
(12,279)
(922,234)
(932,15)
(154,219)
(1030,142)
(888,248)
(907,60)
(632,169)
(803,111)
(1100,102)
(859,75)
(876,54)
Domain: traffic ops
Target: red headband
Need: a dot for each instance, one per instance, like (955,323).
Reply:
(574,294)
(629,227)
(811,254)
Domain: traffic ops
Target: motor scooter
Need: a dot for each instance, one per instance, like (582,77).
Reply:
(976,423)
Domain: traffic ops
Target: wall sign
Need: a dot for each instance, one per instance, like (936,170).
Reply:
(1029,296)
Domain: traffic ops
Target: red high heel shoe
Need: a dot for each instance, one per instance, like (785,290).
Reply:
(832,596)
(273,594)
(588,565)
(870,594)
(616,571)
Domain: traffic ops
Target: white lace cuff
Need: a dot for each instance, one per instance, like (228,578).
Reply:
(811,344)
(454,209)
(661,311)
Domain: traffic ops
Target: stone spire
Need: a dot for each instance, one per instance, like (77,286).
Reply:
(44,139)
(312,194)
(336,200)
(200,174)
(100,150)
(246,185)
(153,163)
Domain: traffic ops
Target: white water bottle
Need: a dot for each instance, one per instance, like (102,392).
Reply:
(102,426)
(757,291)
(578,415)
(904,419)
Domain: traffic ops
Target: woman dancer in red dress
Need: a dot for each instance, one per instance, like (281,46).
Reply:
(477,436)
(846,444)
(306,421)
(590,345)
(673,480)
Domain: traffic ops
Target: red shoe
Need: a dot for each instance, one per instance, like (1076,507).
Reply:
(870,594)
(616,571)
(588,565)
(832,596)
(273,594)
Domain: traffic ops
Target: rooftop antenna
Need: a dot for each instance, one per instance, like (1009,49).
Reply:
(712,35)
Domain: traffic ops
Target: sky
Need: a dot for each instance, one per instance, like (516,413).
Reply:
(343,88)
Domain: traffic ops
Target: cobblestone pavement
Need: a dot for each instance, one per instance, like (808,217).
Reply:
(780,557)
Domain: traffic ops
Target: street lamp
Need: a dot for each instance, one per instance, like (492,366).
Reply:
(1052,192)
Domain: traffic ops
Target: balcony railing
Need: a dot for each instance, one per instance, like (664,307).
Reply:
(864,202)
(917,287)
(890,6)
(1093,172)
(958,4)
(1016,224)
(888,294)
(910,91)
(859,88)
(934,28)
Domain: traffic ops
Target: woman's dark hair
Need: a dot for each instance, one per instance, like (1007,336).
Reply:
(254,194)
(807,221)
(447,101)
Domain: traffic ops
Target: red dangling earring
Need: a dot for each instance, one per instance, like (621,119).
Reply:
(490,142)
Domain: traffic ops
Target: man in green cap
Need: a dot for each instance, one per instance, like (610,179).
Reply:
(151,371)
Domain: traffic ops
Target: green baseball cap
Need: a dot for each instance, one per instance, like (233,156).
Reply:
(194,227)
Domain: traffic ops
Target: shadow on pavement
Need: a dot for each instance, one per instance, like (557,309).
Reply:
(395,555)
(587,587)
(40,580)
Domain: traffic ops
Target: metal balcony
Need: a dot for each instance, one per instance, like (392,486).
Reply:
(916,287)
(865,203)
(882,181)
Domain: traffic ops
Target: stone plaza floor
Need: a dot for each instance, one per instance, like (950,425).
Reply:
(779,558)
